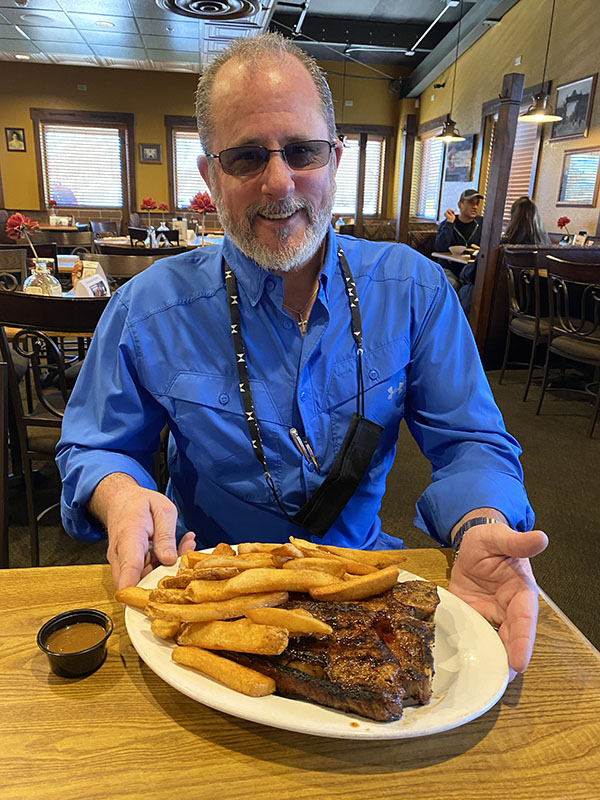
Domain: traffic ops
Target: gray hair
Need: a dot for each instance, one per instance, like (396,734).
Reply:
(252,52)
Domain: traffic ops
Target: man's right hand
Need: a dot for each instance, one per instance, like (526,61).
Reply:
(141,528)
(450,215)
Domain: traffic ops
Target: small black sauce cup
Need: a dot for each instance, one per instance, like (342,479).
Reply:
(74,665)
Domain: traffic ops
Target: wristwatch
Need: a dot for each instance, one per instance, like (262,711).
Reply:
(470,523)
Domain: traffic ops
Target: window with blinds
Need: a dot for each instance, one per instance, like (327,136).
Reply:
(522,166)
(71,159)
(580,177)
(186,178)
(415,179)
(427,169)
(348,175)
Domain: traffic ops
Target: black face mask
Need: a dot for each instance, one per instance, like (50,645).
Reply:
(324,506)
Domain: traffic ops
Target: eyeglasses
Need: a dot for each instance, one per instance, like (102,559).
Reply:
(252,159)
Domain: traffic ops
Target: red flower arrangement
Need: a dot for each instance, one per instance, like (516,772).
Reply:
(52,203)
(163,207)
(18,226)
(562,222)
(148,204)
(201,203)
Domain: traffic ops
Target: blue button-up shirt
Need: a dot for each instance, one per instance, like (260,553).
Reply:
(163,353)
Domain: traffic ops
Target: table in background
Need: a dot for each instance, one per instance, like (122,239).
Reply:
(123,732)
(448,256)
(197,241)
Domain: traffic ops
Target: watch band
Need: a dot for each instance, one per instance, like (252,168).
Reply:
(470,523)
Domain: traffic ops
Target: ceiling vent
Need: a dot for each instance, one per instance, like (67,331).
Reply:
(220,10)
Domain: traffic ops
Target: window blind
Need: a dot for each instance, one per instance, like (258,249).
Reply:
(83,166)
(187,179)
(521,166)
(374,158)
(579,177)
(431,162)
(348,171)
(415,179)
(489,164)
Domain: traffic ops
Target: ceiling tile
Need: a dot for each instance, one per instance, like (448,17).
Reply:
(110,51)
(32,5)
(120,8)
(158,27)
(51,34)
(87,22)
(112,39)
(149,10)
(171,43)
(169,55)
(65,48)
(19,45)
(10,32)
(56,19)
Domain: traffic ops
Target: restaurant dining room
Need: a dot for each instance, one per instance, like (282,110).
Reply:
(299,399)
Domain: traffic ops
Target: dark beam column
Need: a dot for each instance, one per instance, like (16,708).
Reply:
(360,189)
(504,142)
(409,134)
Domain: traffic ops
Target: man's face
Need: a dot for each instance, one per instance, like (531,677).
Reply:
(470,207)
(279,217)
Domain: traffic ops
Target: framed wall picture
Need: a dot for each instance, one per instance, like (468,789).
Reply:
(15,140)
(574,104)
(579,178)
(459,160)
(150,154)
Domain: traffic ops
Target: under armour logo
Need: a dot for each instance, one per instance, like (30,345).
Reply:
(398,390)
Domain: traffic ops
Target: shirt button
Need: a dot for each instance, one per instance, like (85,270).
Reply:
(270,284)
(373,374)
(288,324)
(223,399)
(302,396)
(310,466)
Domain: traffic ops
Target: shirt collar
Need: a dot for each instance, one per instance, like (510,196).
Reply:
(251,278)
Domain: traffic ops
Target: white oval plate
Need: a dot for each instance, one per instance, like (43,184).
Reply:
(471,674)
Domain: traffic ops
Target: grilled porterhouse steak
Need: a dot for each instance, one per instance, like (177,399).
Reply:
(378,659)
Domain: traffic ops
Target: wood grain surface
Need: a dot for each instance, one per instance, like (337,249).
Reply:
(124,733)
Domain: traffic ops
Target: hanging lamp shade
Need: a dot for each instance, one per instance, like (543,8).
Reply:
(539,112)
(450,132)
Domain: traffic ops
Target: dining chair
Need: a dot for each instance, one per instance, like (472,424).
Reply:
(121,268)
(593,241)
(172,237)
(574,331)
(108,228)
(525,318)
(43,250)
(134,219)
(3,465)
(13,260)
(29,327)
(138,236)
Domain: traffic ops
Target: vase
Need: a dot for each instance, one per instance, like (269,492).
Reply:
(42,281)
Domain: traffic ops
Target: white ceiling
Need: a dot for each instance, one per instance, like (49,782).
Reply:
(132,34)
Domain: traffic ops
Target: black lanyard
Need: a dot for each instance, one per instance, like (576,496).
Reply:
(348,467)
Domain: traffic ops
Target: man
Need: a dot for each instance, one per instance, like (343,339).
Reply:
(464,229)
(252,353)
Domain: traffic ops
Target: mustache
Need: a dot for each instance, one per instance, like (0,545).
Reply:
(284,208)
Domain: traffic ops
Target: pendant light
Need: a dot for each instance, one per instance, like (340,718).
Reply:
(450,132)
(540,112)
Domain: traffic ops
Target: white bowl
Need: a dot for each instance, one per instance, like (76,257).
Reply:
(457,249)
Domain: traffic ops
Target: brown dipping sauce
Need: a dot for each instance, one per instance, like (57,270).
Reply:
(74,638)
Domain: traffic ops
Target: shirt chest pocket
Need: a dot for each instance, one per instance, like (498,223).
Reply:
(213,433)
(384,371)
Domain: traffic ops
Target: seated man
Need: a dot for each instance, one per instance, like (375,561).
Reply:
(283,361)
(464,229)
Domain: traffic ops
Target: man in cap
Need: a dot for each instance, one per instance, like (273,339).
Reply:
(283,362)
(463,228)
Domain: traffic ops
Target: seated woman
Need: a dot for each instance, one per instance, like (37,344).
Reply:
(525,226)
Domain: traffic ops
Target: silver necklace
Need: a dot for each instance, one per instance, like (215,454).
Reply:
(302,322)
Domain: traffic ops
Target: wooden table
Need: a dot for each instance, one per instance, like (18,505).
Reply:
(124,733)
(209,238)
(448,256)
(60,228)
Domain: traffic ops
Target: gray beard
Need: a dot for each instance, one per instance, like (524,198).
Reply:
(287,257)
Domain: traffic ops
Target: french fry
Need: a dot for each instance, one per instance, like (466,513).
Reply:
(358,588)
(184,561)
(297,621)
(214,573)
(167,596)
(247,561)
(329,565)
(205,612)
(133,596)
(179,581)
(201,591)
(194,556)
(234,676)
(256,547)
(241,636)
(288,550)
(273,580)
(223,549)
(165,628)
(376,558)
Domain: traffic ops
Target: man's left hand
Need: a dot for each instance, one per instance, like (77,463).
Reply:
(493,575)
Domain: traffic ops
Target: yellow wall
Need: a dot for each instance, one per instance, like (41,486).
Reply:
(149,96)
(523,32)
